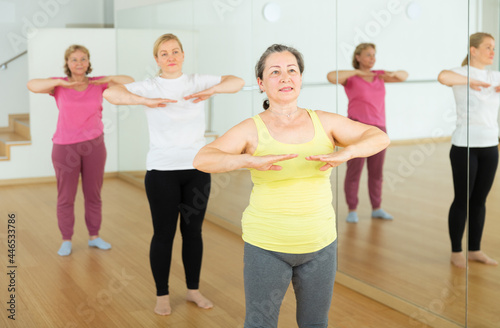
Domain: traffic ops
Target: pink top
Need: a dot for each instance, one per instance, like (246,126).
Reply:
(80,113)
(366,100)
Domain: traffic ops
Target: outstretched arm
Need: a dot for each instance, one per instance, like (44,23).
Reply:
(342,76)
(450,78)
(113,80)
(228,84)
(48,85)
(234,150)
(356,139)
(119,95)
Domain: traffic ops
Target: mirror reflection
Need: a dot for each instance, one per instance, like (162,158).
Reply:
(365,89)
(482,286)
(407,254)
(474,148)
(408,258)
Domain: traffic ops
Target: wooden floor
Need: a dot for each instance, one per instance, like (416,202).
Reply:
(107,289)
(409,257)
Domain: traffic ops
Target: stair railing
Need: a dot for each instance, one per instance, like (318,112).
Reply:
(3,66)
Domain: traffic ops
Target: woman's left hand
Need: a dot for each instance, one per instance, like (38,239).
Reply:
(200,96)
(331,160)
(103,80)
(386,74)
(497,88)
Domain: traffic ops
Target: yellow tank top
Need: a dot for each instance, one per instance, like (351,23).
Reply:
(290,210)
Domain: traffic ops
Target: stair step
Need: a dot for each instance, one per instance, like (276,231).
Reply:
(13,138)
(16,134)
(22,127)
(8,139)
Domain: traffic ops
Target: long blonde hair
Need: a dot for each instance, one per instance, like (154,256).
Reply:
(69,51)
(357,52)
(164,38)
(475,41)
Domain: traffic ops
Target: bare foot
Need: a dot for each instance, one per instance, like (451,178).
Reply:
(479,256)
(194,295)
(458,259)
(163,305)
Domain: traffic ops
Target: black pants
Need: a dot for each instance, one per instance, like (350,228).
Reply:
(482,168)
(171,193)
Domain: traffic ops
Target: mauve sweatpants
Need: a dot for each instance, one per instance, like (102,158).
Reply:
(87,158)
(375,166)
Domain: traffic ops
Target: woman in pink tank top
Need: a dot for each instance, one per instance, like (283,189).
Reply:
(365,89)
(78,142)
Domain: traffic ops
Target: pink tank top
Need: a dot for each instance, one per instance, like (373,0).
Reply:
(80,113)
(366,100)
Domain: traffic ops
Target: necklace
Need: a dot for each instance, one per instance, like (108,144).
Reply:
(287,115)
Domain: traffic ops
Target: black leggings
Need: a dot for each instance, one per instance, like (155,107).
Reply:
(171,193)
(483,166)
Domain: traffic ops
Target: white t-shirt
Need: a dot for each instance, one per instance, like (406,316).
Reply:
(176,132)
(483,110)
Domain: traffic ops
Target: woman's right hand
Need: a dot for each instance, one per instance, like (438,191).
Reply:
(266,163)
(70,85)
(451,78)
(364,73)
(157,102)
(477,85)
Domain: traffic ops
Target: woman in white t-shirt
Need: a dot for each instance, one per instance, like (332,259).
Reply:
(477,129)
(173,185)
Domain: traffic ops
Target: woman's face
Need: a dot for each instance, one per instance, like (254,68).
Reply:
(281,79)
(78,63)
(485,53)
(170,58)
(366,59)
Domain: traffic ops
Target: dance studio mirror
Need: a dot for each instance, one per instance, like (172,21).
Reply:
(482,280)
(404,262)
(408,257)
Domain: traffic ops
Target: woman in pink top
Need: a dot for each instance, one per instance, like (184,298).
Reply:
(78,141)
(365,90)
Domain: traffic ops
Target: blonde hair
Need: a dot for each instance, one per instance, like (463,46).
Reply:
(475,41)
(357,52)
(164,38)
(69,51)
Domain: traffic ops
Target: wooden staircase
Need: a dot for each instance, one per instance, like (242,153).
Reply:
(16,134)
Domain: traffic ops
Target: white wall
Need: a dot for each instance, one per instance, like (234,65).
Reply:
(20,21)
(127,4)
(13,90)
(46,59)
(233,34)
(490,14)
(423,45)
(229,37)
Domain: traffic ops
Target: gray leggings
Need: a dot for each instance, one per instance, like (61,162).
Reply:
(267,277)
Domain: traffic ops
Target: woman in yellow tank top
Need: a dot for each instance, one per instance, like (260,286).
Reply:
(289,224)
